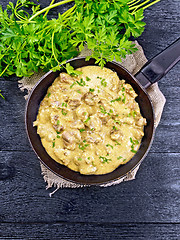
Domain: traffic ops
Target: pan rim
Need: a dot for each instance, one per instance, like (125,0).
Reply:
(99,182)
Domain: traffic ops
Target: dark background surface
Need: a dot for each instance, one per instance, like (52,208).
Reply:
(146,208)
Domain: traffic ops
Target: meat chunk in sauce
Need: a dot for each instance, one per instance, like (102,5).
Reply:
(66,78)
(70,138)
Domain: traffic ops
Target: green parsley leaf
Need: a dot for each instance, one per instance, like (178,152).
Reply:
(87,120)
(72,84)
(63,112)
(109,145)
(83,146)
(105,160)
(103,83)
(117,99)
(70,70)
(87,78)
(81,83)
(82,130)
(91,89)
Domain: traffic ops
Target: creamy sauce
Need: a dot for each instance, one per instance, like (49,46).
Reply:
(90,123)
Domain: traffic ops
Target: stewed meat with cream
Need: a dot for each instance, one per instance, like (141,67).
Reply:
(91,123)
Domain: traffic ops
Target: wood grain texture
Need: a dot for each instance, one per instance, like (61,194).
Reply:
(147,208)
(90,231)
(153,197)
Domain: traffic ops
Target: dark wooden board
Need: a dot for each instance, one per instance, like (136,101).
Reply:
(153,197)
(90,231)
(146,208)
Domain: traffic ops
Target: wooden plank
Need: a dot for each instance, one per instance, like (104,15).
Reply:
(153,197)
(162,26)
(90,231)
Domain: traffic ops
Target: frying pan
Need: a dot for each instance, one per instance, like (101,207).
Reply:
(153,71)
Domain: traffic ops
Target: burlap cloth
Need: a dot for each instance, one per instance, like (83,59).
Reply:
(133,63)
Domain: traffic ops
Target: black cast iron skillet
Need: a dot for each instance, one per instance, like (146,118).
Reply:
(153,71)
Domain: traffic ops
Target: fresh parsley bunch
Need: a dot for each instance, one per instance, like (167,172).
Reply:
(30,41)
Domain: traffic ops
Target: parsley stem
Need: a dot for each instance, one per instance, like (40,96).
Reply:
(19,16)
(53,49)
(142,4)
(2,95)
(129,3)
(132,3)
(4,70)
(68,12)
(50,7)
(150,4)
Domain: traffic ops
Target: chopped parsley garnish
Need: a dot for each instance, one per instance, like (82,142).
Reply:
(57,132)
(118,158)
(82,130)
(111,111)
(91,89)
(64,104)
(49,94)
(103,83)
(134,142)
(109,145)
(105,160)
(134,113)
(130,89)
(88,79)
(117,143)
(79,159)
(123,89)
(117,99)
(124,159)
(88,158)
(58,122)
(58,136)
(87,120)
(63,112)
(78,91)
(123,100)
(81,83)
(73,84)
(93,164)
(117,121)
(115,128)
(53,143)
(92,129)
(83,146)
(103,110)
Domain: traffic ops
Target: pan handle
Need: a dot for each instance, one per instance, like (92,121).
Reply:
(157,67)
